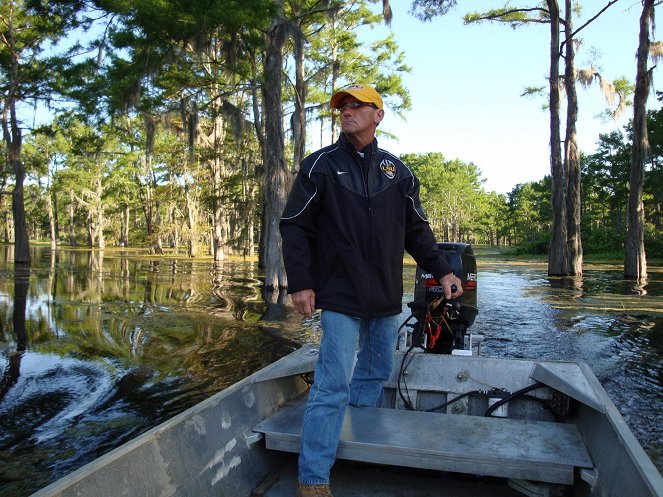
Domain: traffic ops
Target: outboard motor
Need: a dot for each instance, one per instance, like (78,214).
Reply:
(441,327)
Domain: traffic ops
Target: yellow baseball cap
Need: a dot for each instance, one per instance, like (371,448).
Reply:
(363,93)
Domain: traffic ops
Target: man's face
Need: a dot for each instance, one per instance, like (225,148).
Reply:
(359,120)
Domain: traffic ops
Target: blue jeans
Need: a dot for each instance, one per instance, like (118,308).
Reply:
(332,388)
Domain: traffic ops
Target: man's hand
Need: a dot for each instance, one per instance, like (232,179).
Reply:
(447,281)
(304,302)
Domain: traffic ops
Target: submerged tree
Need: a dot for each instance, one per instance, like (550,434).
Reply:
(277,175)
(565,253)
(635,260)
(547,13)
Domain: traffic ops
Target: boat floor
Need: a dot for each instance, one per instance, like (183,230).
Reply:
(351,479)
(509,448)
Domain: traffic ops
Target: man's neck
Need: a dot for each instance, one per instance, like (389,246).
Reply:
(360,142)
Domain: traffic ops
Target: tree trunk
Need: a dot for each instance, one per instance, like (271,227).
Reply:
(14,139)
(335,75)
(277,177)
(90,230)
(571,154)
(557,254)
(299,114)
(21,242)
(259,126)
(191,214)
(100,219)
(127,220)
(635,260)
(245,211)
(217,229)
(51,218)
(72,228)
(174,231)
(150,206)
(7,234)
(249,245)
(228,233)
(216,165)
(124,227)
(191,220)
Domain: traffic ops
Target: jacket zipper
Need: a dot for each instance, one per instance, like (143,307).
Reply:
(365,180)
(369,170)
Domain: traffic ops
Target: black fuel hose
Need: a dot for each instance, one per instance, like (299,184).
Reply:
(455,399)
(407,402)
(508,398)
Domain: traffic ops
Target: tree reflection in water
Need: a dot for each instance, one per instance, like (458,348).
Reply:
(97,347)
(12,370)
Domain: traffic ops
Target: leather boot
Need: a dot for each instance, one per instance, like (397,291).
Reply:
(313,490)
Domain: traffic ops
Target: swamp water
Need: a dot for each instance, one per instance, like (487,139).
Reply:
(96,348)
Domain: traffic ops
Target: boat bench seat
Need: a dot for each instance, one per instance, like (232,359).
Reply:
(509,448)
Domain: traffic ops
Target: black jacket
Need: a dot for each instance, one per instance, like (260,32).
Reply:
(344,231)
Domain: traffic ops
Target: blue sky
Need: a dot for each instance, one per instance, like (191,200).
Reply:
(466,83)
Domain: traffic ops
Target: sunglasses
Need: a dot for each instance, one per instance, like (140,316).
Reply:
(355,105)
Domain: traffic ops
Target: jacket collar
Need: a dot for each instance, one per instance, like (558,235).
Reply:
(345,143)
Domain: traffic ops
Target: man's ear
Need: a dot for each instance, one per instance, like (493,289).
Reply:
(379,115)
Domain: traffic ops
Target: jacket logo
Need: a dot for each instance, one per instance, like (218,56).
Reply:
(388,168)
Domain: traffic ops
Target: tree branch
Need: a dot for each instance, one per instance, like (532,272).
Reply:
(609,4)
(501,15)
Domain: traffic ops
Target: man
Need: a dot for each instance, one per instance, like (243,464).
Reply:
(352,212)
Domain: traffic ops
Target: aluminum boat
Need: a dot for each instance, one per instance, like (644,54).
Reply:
(449,425)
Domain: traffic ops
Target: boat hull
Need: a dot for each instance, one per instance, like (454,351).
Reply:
(208,450)
(216,448)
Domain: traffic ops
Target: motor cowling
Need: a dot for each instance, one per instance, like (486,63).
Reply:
(454,318)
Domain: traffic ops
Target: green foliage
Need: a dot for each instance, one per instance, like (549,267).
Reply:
(35,25)
(335,57)
(605,176)
(495,219)
(512,16)
(452,194)
(157,50)
(605,190)
(534,91)
(529,210)
(654,246)
(426,10)
(653,187)
(602,241)
(537,246)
